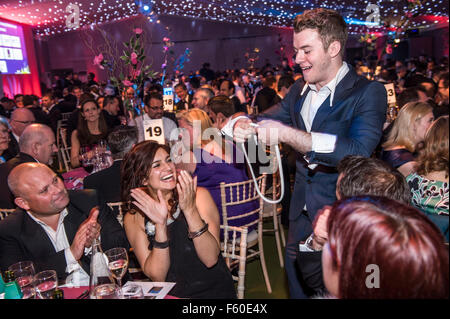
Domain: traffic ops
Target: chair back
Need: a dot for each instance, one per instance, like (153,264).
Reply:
(234,250)
(240,193)
(4,212)
(118,207)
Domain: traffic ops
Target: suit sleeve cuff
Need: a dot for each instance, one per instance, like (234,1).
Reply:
(323,143)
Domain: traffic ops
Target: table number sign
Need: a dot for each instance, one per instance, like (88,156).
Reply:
(168,99)
(390,89)
(154,130)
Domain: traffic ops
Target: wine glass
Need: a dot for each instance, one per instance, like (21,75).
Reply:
(117,263)
(24,272)
(45,283)
(107,291)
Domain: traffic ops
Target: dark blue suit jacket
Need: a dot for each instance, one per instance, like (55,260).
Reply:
(356,118)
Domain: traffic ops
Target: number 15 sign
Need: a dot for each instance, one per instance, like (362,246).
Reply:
(154,130)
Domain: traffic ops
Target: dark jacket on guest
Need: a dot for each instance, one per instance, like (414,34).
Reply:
(6,197)
(21,238)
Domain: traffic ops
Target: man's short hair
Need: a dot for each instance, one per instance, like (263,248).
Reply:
(269,81)
(28,100)
(208,93)
(181,85)
(328,23)
(408,95)
(152,95)
(108,99)
(371,176)
(221,104)
(285,81)
(230,84)
(122,139)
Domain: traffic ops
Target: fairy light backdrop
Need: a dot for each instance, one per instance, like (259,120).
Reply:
(48,17)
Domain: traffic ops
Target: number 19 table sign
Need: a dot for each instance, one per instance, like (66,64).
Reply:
(154,130)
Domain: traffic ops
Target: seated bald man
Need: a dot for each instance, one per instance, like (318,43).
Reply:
(53,227)
(37,144)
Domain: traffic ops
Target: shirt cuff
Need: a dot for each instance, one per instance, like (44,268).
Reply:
(72,263)
(323,143)
(228,128)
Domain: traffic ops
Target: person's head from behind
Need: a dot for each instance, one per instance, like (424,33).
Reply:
(154,105)
(38,141)
(434,155)
(221,108)
(197,128)
(28,100)
(270,82)
(360,175)
(20,119)
(227,88)
(201,98)
(147,164)
(320,36)
(379,248)
(411,94)
(121,140)
(410,126)
(284,84)
(5,128)
(38,189)
(111,105)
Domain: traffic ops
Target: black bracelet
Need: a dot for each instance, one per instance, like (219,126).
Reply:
(157,244)
(200,232)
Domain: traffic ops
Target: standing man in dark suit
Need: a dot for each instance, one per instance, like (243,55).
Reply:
(54,114)
(37,144)
(107,182)
(227,88)
(337,113)
(51,228)
(267,96)
(185,102)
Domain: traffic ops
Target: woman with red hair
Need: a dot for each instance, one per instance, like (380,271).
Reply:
(382,249)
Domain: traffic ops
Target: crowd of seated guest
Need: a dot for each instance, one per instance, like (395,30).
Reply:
(414,150)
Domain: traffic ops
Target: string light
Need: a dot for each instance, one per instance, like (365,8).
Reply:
(48,16)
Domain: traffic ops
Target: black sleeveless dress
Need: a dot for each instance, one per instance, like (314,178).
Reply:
(193,279)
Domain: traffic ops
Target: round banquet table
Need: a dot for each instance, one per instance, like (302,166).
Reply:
(73,293)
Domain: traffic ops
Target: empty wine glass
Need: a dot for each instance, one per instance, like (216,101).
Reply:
(45,283)
(117,263)
(24,272)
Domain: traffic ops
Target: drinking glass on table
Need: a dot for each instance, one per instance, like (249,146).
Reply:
(117,263)
(107,291)
(45,284)
(24,272)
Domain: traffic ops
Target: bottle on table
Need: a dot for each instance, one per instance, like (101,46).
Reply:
(12,288)
(100,276)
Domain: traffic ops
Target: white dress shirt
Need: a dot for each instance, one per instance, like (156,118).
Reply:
(60,242)
(321,142)
(168,126)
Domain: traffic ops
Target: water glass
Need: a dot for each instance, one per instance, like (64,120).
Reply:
(24,272)
(107,291)
(45,284)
